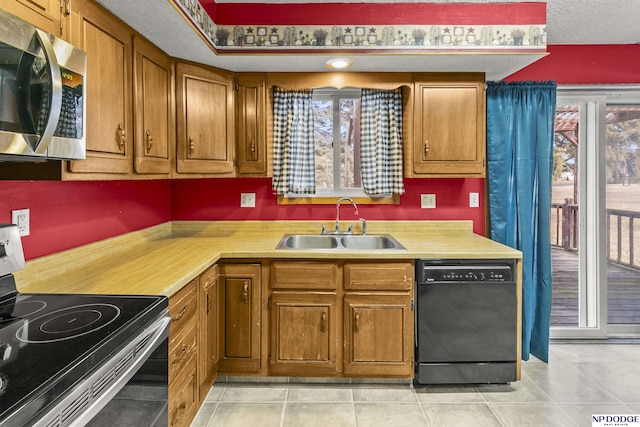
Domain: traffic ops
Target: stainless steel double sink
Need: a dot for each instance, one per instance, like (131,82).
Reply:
(339,242)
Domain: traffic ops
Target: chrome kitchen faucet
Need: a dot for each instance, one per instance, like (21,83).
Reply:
(337,227)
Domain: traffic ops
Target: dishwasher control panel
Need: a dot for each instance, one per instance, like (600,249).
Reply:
(464,271)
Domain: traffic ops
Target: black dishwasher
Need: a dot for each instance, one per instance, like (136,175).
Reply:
(466,321)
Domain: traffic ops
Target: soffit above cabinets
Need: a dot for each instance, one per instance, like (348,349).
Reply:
(165,24)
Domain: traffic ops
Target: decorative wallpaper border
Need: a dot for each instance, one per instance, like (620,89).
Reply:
(260,39)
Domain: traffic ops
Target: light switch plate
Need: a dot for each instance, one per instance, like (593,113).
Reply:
(248,200)
(427,201)
(474,200)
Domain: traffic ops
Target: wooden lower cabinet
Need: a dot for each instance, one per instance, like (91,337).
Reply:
(371,337)
(183,396)
(183,349)
(208,312)
(240,315)
(304,333)
(378,318)
(378,332)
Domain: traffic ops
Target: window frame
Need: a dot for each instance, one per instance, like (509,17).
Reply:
(322,195)
(593,305)
(305,80)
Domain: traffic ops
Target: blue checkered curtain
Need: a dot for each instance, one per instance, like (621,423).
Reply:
(293,146)
(381,141)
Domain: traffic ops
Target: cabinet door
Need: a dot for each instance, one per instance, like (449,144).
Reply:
(153,108)
(378,332)
(251,125)
(48,15)
(107,42)
(304,334)
(449,137)
(241,318)
(205,120)
(183,397)
(208,330)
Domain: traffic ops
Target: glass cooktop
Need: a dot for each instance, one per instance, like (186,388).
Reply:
(50,341)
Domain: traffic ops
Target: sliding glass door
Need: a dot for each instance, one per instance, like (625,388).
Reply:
(595,232)
(622,119)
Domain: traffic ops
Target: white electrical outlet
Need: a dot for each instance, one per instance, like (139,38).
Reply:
(474,200)
(248,200)
(427,201)
(20,217)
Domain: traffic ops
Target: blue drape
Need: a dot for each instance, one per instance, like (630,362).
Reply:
(520,127)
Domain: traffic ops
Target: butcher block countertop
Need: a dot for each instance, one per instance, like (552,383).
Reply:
(160,260)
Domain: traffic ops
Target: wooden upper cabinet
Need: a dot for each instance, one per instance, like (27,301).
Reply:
(51,16)
(107,42)
(251,124)
(449,125)
(153,88)
(205,126)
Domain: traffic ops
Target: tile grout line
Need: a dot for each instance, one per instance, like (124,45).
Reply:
(284,405)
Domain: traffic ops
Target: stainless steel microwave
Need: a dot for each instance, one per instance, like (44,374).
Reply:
(42,94)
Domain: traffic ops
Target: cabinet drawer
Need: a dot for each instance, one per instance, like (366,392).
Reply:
(182,348)
(182,307)
(209,277)
(183,397)
(389,276)
(304,275)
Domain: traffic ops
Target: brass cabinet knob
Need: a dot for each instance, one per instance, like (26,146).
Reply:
(149,140)
(122,137)
(245,292)
(323,324)
(179,315)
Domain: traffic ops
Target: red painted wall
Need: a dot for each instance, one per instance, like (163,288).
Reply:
(219,199)
(69,214)
(585,64)
(253,13)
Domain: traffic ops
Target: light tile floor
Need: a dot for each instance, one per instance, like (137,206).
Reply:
(580,380)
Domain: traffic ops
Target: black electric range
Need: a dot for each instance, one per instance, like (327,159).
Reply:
(50,343)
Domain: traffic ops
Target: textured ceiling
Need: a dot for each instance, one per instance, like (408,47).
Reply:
(568,22)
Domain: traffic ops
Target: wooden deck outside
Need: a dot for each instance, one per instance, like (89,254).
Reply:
(623,292)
